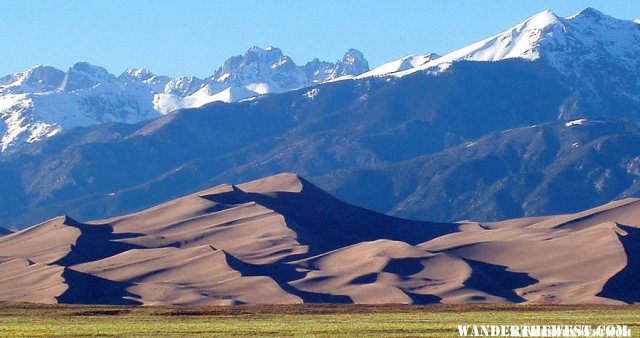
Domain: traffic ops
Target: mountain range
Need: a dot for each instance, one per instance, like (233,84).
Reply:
(281,240)
(41,102)
(515,125)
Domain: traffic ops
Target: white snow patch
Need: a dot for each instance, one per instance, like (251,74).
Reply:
(311,94)
(232,94)
(261,88)
(166,103)
(578,122)
(405,63)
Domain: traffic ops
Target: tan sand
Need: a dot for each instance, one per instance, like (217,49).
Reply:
(282,240)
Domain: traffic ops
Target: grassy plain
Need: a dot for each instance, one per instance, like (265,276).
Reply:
(18,320)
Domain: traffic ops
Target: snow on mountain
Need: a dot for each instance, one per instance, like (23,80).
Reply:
(232,94)
(268,70)
(267,67)
(318,71)
(39,78)
(567,44)
(257,72)
(520,41)
(212,92)
(142,77)
(405,63)
(595,54)
(352,63)
(575,46)
(42,101)
(183,86)
(84,76)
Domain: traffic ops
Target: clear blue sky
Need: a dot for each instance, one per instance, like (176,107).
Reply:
(195,37)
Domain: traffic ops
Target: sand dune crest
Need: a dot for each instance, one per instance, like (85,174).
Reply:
(282,240)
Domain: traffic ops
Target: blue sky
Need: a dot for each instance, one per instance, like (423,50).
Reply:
(195,37)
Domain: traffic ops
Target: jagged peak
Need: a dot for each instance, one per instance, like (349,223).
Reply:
(540,20)
(280,72)
(184,85)
(353,56)
(315,60)
(88,68)
(588,12)
(42,75)
(274,49)
(352,63)
(84,75)
(352,52)
(266,53)
(137,73)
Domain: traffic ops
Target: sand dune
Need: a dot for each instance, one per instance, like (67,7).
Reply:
(195,276)
(24,281)
(45,243)
(282,240)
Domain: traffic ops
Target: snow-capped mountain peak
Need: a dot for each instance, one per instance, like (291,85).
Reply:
(318,71)
(39,78)
(589,12)
(140,74)
(593,51)
(40,102)
(586,35)
(183,86)
(521,41)
(269,70)
(352,63)
(257,54)
(84,76)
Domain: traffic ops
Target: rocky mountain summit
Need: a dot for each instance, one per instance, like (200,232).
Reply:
(40,102)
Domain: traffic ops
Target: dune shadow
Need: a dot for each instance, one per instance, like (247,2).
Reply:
(496,280)
(88,289)
(404,266)
(326,223)
(420,299)
(365,279)
(623,286)
(282,274)
(94,243)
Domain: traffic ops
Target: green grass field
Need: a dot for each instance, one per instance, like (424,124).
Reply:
(303,320)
